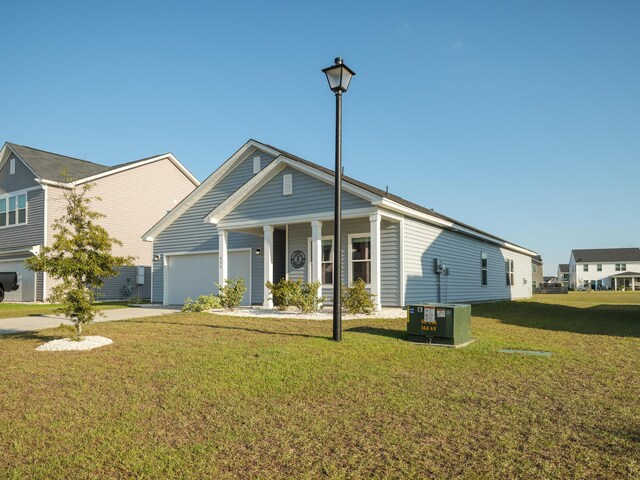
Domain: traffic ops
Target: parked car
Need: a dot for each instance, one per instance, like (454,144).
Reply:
(8,283)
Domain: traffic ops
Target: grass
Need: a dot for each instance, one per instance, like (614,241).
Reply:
(12,310)
(203,396)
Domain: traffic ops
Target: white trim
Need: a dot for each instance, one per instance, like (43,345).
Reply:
(375,239)
(402,279)
(267,251)
(293,219)
(12,166)
(256,165)
(165,270)
(216,215)
(238,157)
(309,246)
(449,225)
(349,269)
(223,257)
(286,251)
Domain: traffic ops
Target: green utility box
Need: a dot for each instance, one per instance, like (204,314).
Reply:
(439,324)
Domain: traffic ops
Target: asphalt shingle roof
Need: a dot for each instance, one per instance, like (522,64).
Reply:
(50,166)
(607,255)
(564,267)
(387,194)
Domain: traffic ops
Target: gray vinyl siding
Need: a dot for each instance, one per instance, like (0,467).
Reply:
(112,288)
(299,235)
(189,233)
(310,196)
(21,179)
(390,264)
(423,243)
(31,233)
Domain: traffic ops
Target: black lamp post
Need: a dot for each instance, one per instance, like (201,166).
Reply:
(339,76)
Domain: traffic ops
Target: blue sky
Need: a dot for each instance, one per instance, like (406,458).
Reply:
(520,118)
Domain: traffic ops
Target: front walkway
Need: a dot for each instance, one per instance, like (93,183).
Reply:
(40,322)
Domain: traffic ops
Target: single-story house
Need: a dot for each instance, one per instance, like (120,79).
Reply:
(266,214)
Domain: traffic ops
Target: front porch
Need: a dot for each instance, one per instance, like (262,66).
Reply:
(370,249)
(626,281)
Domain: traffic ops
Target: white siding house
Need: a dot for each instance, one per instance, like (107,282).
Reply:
(608,268)
(265,214)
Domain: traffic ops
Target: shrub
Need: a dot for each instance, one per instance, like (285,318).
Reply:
(231,293)
(285,293)
(308,300)
(356,299)
(202,304)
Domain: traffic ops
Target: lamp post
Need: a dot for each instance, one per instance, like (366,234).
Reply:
(339,76)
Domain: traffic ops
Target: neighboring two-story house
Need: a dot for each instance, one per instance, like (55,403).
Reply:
(266,214)
(134,195)
(537,278)
(563,274)
(609,268)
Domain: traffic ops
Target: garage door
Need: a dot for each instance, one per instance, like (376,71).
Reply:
(193,275)
(26,280)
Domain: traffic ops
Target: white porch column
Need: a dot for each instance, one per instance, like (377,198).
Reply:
(375,259)
(316,249)
(223,265)
(615,283)
(268,264)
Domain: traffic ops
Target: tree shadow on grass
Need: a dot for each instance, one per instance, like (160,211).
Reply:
(10,334)
(229,327)
(604,319)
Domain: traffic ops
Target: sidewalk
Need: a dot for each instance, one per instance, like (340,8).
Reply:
(40,322)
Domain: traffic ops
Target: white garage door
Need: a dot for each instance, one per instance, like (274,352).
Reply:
(193,275)
(26,280)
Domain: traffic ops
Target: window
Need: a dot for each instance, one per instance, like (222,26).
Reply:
(585,267)
(508,266)
(12,166)
(326,269)
(360,259)
(287,184)
(599,267)
(534,269)
(13,210)
(483,268)
(621,267)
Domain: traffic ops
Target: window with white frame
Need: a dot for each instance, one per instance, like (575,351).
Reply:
(585,267)
(13,210)
(326,267)
(12,166)
(621,267)
(599,267)
(484,263)
(509,270)
(360,258)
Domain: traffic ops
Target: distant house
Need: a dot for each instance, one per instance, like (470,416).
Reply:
(615,268)
(266,214)
(536,271)
(550,279)
(135,195)
(563,274)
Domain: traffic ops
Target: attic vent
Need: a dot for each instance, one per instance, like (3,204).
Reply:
(12,166)
(287,184)
(256,165)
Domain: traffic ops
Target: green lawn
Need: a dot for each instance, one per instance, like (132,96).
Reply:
(11,310)
(202,396)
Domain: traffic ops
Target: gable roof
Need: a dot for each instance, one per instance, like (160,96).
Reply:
(606,255)
(564,267)
(379,197)
(49,167)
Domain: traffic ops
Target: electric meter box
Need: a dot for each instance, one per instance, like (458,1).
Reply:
(439,324)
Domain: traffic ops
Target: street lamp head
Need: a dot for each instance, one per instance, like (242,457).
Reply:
(339,76)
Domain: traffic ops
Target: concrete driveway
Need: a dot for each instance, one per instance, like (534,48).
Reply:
(40,322)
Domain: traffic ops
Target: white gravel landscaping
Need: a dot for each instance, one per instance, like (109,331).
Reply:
(325,314)
(85,343)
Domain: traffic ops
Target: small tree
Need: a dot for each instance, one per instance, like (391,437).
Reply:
(80,257)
